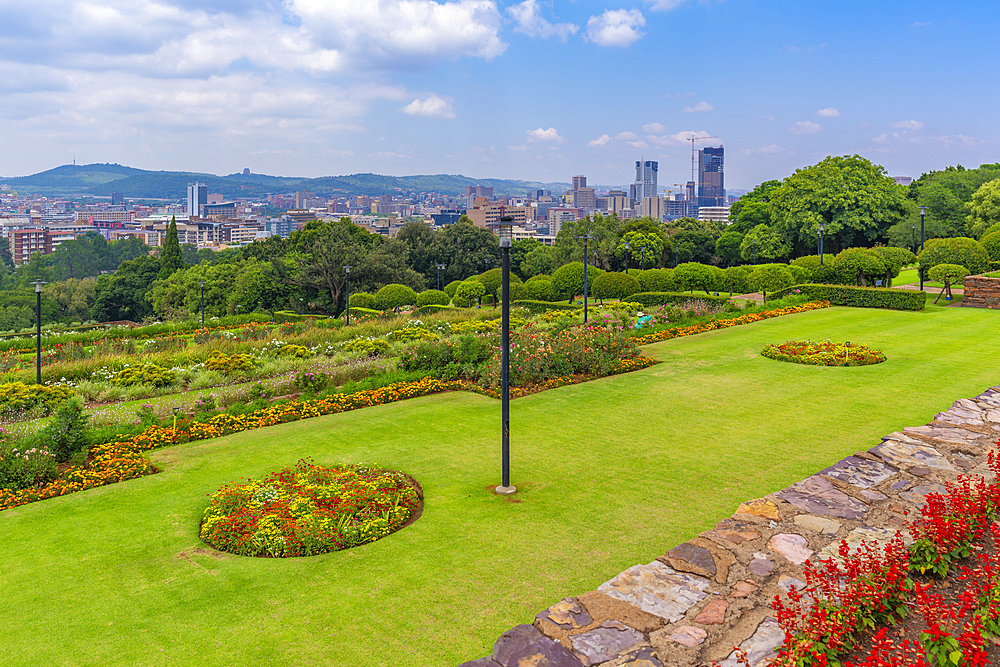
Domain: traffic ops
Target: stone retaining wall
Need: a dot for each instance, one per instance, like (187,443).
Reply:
(698,600)
(981,292)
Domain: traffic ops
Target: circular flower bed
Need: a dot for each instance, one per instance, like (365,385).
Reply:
(824,354)
(309,509)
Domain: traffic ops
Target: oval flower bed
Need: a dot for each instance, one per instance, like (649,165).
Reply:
(309,509)
(824,354)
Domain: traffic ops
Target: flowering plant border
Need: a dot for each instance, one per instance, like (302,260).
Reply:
(824,353)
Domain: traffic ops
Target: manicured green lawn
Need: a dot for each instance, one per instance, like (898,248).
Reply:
(612,473)
(912,277)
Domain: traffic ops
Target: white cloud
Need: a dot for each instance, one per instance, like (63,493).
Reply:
(530,22)
(654,128)
(615,27)
(771,149)
(907,125)
(432,105)
(701,106)
(828,112)
(599,141)
(545,135)
(805,127)
(676,139)
(626,136)
(665,5)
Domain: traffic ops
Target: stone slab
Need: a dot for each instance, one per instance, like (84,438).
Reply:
(733,531)
(785,583)
(909,455)
(760,507)
(918,494)
(605,642)
(817,524)
(568,614)
(762,567)
(817,495)
(859,472)
(644,657)
(602,608)
(514,641)
(689,557)
(714,613)
(957,436)
(742,589)
(688,635)
(657,589)
(761,647)
(793,547)
(879,536)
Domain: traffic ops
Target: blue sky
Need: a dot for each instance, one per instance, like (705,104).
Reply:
(537,89)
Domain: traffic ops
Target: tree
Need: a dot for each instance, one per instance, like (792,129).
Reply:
(5,257)
(492,280)
(74,297)
(171,256)
(894,260)
(727,247)
(395,297)
(858,266)
(961,251)
(540,289)
(613,285)
(122,296)
(463,247)
(991,242)
(468,293)
(693,275)
(657,280)
(944,193)
(770,278)
(763,242)
(737,279)
(519,251)
(568,279)
(645,249)
(603,232)
(752,209)
(854,198)
(984,209)
(538,261)
(419,240)
(947,274)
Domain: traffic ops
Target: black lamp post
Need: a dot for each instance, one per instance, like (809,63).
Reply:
(347,270)
(627,247)
(38,330)
(202,283)
(440,268)
(586,238)
(920,269)
(913,241)
(505,231)
(821,228)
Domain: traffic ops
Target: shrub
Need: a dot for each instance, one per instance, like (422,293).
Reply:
(23,467)
(568,279)
(614,285)
(648,299)
(465,352)
(961,251)
(857,266)
(310,381)
(368,347)
(537,307)
(894,260)
(295,352)
(64,434)
(433,308)
(736,280)
(809,263)
(411,333)
(468,293)
(229,364)
(21,397)
(694,275)
(151,374)
(433,297)
(657,280)
(949,274)
(540,289)
(858,297)
(991,242)
(451,287)
(770,278)
(394,297)
(799,274)
(362,300)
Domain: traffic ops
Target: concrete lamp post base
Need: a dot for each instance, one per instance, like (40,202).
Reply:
(506,490)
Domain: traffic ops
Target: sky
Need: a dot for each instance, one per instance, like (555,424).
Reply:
(537,90)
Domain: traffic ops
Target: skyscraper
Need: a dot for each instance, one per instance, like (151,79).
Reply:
(711,184)
(197,197)
(579,182)
(645,180)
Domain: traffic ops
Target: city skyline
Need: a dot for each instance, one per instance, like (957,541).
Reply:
(523,90)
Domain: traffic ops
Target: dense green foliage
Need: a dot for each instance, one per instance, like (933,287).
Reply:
(648,299)
(770,278)
(613,285)
(961,251)
(858,297)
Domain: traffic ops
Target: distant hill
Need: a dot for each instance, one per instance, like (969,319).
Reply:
(101,179)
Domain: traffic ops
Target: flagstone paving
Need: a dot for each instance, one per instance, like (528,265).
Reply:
(704,597)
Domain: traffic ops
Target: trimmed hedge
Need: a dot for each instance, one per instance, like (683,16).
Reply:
(648,299)
(434,308)
(858,297)
(537,307)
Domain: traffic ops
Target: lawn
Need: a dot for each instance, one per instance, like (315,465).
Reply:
(611,473)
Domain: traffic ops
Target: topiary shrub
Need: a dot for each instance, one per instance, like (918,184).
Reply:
(450,288)
(857,266)
(736,279)
(433,297)
(770,278)
(394,297)
(810,264)
(694,275)
(568,279)
(295,352)
(229,364)
(362,300)
(948,274)
(799,274)
(368,347)
(991,242)
(540,289)
(468,293)
(657,280)
(612,285)
(150,374)
(961,251)
(894,260)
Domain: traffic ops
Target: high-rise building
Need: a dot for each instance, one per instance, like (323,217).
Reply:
(652,207)
(711,184)
(645,180)
(474,191)
(579,182)
(197,197)
(117,198)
